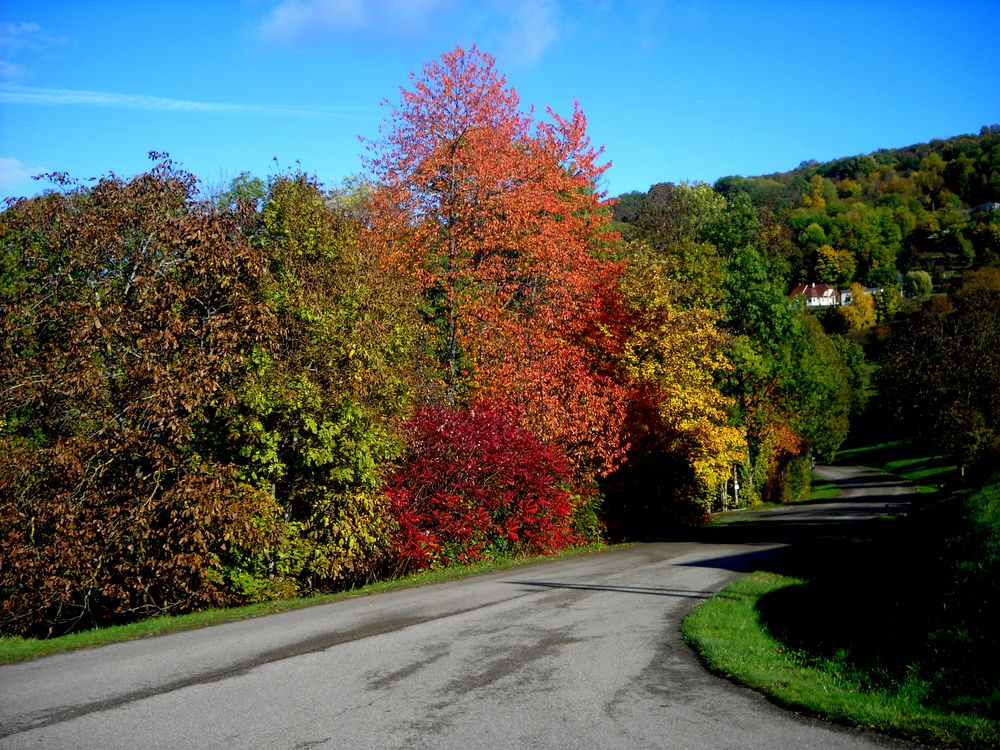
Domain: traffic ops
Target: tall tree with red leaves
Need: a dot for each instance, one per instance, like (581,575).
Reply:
(497,219)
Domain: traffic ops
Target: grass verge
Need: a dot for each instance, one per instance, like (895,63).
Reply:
(928,471)
(15,648)
(892,629)
(728,634)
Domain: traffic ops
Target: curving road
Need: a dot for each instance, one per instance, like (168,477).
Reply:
(577,653)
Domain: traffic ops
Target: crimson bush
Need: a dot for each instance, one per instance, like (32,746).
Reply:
(475,485)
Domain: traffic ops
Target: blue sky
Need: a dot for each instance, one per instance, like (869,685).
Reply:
(674,89)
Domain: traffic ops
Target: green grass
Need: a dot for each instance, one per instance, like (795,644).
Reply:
(904,458)
(15,648)
(822,491)
(893,628)
(728,634)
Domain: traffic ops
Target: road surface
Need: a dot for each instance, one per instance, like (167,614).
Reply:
(576,653)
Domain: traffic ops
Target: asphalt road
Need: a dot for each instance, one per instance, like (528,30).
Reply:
(577,653)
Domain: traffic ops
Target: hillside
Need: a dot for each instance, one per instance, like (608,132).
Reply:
(873,218)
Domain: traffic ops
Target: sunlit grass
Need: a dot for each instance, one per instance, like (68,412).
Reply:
(728,634)
(928,470)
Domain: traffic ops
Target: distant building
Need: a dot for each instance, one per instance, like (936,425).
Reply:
(985,208)
(819,295)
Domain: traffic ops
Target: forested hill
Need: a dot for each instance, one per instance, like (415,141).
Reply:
(872,219)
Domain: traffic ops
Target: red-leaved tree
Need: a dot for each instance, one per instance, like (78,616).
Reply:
(498,220)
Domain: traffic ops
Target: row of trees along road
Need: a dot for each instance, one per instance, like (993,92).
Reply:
(286,389)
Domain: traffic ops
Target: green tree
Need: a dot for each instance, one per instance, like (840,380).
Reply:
(918,284)
(789,382)
(674,214)
(818,389)
(813,237)
(316,420)
(940,378)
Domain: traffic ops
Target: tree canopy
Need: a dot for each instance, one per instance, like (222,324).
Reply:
(284,388)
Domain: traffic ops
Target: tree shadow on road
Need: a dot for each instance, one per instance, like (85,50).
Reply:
(646,590)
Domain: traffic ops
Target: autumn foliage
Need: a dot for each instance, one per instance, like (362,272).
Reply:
(288,389)
(476,484)
(498,217)
(128,313)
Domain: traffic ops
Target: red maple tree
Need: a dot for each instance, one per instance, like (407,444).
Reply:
(498,218)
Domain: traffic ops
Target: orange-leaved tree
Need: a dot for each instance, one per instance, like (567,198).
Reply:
(496,218)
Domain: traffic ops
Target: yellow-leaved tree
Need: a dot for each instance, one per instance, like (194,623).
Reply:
(860,313)
(682,442)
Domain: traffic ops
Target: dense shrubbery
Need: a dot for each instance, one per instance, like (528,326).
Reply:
(198,403)
(476,485)
(129,316)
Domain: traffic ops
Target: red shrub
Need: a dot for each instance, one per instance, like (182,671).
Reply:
(475,485)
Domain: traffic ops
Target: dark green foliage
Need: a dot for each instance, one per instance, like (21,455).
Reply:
(794,385)
(911,605)
(819,390)
(628,207)
(756,305)
(940,378)
(857,372)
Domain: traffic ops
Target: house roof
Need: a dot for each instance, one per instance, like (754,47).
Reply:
(814,290)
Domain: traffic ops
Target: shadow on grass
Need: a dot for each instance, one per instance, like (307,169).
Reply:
(902,457)
(885,593)
(888,605)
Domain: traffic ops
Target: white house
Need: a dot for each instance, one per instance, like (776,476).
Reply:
(819,295)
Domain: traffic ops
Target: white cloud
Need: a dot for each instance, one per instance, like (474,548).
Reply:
(12,71)
(532,28)
(12,172)
(302,21)
(519,31)
(110,100)
(26,36)
(24,40)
